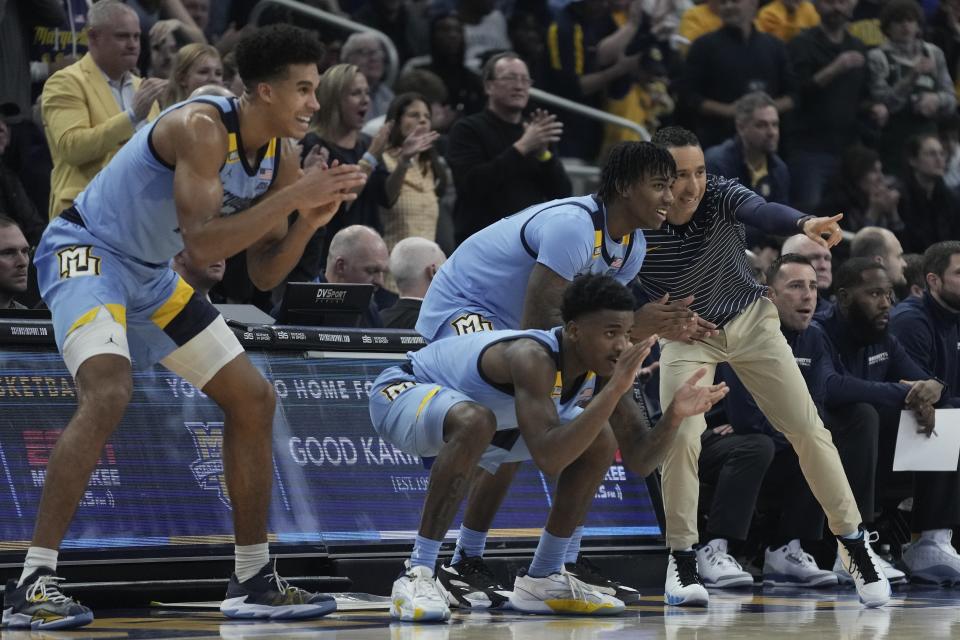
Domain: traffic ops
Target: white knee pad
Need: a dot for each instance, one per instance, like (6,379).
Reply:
(205,354)
(102,335)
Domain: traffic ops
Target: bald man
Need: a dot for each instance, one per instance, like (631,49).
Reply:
(822,262)
(883,247)
(413,263)
(359,255)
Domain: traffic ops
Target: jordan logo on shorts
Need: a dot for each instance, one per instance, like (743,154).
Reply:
(471,323)
(78,261)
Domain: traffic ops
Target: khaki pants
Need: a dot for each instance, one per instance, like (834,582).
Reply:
(753,345)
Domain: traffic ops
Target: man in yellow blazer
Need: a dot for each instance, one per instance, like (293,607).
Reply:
(92,107)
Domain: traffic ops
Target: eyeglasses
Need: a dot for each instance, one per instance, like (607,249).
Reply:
(526,81)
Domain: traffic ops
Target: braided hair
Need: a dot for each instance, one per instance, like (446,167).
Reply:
(631,162)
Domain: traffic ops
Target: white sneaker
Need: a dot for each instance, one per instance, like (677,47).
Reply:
(416,596)
(894,575)
(791,566)
(858,558)
(719,569)
(932,558)
(561,593)
(683,587)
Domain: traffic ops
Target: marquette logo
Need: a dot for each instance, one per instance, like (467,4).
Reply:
(208,467)
(78,261)
(331,295)
(804,362)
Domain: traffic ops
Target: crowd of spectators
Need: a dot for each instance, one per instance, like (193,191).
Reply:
(831,106)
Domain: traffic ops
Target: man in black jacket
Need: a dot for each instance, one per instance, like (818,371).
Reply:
(500,163)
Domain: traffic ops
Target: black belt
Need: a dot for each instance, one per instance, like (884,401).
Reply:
(71,214)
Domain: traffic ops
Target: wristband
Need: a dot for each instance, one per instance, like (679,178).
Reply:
(370,159)
(545,156)
(802,221)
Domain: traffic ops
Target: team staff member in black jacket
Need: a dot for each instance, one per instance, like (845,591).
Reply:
(929,329)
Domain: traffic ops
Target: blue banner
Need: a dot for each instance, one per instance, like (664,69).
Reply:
(160,481)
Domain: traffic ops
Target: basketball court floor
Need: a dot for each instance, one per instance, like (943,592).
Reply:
(914,612)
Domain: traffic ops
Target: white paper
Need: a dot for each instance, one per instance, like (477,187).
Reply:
(917,452)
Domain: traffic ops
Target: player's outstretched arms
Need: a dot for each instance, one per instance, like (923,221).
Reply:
(553,445)
(643,447)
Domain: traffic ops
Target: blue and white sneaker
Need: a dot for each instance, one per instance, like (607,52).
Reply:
(268,596)
(683,587)
(791,566)
(39,605)
(932,559)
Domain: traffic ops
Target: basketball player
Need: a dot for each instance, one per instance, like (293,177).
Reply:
(503,396)
(214,176)
(701,252)
(512,275)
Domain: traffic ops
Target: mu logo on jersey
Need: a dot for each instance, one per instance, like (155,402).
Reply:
(78,261)
(208,467)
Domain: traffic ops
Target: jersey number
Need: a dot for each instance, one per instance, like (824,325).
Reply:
(471,323)
(78,261)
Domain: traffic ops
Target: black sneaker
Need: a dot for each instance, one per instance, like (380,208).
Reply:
(38,604)
(267,595)
(471,584)
(587,572)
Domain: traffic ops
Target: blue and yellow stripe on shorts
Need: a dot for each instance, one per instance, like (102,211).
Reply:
(184,314)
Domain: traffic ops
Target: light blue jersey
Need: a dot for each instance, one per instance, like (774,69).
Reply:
(129,205)
(408,404)
(483,285)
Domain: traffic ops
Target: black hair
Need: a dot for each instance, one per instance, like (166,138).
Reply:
(395,113)
(265,54)
(591,293)
(850,273)
(630,162)
(899,11)
(913,273)
(914,144)
(936,258)
(8,222)
(670,137)
(787,258)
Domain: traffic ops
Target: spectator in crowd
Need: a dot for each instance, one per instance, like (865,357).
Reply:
(820,259)
(584,41)
(699,20)
(914,278)
(501,164)
(365,50)
(201,278)
(793,288)
(359,255)
(170,14)
(403,25)
(92,107)
(943,30)
(949,131)
(199,12)
(416,176)
(883,247)
(734,60)
(529,38)
(16,19)
(929,209)
(447,61)
(865,22)
(194,66)
(14,263)
(910,77)
(862,192)
(787,18)
(413,263)
(15,203)
(832,91)
(751,155)
(929,329)
(344,99)
(163,49)
(58,41)
(869,366)
(484,30)
(431,87)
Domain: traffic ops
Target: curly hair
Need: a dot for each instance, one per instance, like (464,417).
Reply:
(593,292)
(630,162)
(265,54)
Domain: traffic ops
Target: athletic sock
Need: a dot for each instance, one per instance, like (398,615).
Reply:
(548,558)
(573,549)
(38,557)
(470,543)
(249,559)
(425,553)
